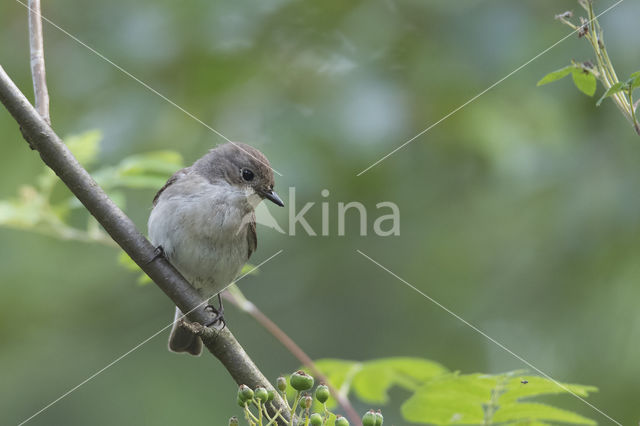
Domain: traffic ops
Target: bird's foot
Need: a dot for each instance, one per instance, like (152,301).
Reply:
(219,314)
(157,253)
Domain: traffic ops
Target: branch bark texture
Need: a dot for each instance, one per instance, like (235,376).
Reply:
(56,155)
(36,47)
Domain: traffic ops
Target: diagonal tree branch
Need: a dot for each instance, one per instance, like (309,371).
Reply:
(57,156)
(36,46)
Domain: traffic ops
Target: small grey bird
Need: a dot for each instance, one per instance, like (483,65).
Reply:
(203,222)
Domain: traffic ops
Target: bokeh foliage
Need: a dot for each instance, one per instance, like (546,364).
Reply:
(520,212)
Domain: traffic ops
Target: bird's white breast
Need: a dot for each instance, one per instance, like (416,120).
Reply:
(202,228)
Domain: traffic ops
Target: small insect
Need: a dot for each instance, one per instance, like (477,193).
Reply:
(524,382)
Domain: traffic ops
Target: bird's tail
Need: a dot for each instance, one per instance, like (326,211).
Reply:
(182,340)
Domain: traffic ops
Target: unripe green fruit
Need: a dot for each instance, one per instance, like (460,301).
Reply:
(261,394)
(322,393)
(315,419)
(233,421)
(301,381)
(270,395)
(369,418)
(282,384)
(245,393)
(240,401)
(341,421)
(379,418)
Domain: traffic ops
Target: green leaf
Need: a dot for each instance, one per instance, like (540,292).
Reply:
(371,380)
(25,212)
(84,146)
(375,378)
(585,81)
(529,423)
(155,162)
(536,411)
(618,87)
(337,370)
(634,80)
(535,386)
(148,170)
(141,181)
(443,398)
(450,399)
(556,75)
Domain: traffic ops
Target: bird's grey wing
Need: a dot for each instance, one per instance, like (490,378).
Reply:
(252,237)
(171,180)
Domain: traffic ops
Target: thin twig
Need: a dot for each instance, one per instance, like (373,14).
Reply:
(36,46)
(121,228)
(236,297)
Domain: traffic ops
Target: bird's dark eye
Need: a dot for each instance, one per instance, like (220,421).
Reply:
(247,175)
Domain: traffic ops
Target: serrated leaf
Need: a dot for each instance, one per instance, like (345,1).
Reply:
(618,87)
(372,383)
(84,146)
(536,411)
(450,399)
(556,75)
(584,81)
(535,386)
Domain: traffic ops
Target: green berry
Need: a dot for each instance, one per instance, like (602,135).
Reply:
(282,384)
(315,419)
(240,401)
(301,381)
(341,421)
(369,418)
(245,393)
(270,395)
(322,393)
(379,418)
(233,421)
(261,394)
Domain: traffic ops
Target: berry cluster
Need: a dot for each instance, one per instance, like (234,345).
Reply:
(259,410)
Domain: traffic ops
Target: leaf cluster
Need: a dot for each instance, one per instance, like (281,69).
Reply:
(48,207)
(586,74)
(442,397)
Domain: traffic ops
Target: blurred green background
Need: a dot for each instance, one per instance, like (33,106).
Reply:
(521,212)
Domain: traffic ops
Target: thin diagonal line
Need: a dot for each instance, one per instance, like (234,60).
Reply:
(458,317)
(128,74)
(484,91)
(94,375)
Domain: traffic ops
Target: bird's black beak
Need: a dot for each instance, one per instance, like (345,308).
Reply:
(273,197)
